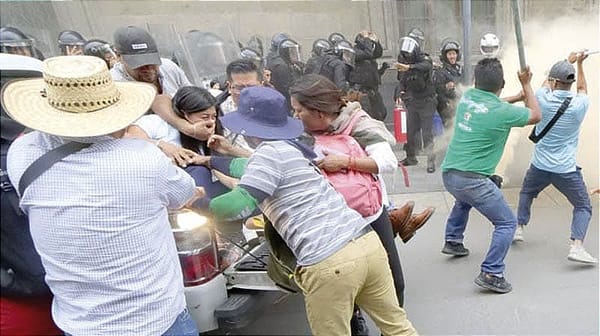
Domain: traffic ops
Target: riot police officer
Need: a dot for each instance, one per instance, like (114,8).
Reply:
(286,67)
(333,62)
(417,92)
(101,49)
(446,78)
(489,45)
(364,77)
(70,43)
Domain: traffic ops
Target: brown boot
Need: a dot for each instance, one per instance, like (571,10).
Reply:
(415,223)
(400,217)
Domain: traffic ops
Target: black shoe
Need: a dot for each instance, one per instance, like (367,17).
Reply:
(409,161)
(430,167)
(455,249)
(358,325)
(493,283)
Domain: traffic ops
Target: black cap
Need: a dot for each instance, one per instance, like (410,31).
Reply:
(563,71)
(136,46)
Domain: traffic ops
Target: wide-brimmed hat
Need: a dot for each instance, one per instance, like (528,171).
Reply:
(76,98)
(263,113)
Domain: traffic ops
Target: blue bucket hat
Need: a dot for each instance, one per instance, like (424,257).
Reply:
(263,113)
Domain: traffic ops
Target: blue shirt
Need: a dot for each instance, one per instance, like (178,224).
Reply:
(556,151)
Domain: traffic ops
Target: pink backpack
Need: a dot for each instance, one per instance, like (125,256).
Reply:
(361,190)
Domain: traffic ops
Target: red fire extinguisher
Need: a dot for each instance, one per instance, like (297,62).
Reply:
(400,123)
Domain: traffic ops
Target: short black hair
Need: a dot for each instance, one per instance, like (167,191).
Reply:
(242,66)
(489,75)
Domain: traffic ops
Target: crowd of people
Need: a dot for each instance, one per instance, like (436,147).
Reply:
(117,135)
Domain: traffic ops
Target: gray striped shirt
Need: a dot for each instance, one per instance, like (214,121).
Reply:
(308,213)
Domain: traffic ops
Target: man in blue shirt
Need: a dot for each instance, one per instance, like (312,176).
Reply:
(553,160)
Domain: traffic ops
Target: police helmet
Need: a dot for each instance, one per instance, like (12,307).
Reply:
(101,49)
(489,45)
(417,34)
(251,54)
(256,43)
(276,40)
(447,45)
(289,50)
(345,52)
(69,38)
(321,46)
(14,41)
(334,38)
(409,49)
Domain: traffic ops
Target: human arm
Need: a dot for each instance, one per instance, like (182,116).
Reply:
(515,98)
(581,82)
(535,114)
(162,106)
(220,144)
(181,156)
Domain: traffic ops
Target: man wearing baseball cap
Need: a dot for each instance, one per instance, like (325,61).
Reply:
(554,158)
(99,215)
(140,61)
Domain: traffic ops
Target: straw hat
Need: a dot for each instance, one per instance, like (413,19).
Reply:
(76,98)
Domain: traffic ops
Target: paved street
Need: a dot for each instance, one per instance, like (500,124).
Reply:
(551,295)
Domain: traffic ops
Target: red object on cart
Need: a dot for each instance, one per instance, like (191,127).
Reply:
(400,131)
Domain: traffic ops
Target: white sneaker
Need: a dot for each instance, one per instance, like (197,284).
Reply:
(518,237)
(579,254)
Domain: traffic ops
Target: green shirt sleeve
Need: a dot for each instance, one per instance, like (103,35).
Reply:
(236,204)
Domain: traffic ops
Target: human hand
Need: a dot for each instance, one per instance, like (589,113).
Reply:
(595,191)
(450,85)
(525,76)
(333,163)
(199,192)
(572,57)
(220,144)
(198,159)
(179,155)
(581,56)
(401,66)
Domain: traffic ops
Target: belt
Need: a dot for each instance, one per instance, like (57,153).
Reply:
(362,232)
(467,174)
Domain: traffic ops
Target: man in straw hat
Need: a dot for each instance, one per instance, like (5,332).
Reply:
(99,216)
(340,258)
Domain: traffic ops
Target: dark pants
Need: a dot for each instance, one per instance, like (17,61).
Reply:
(383,228)
(419,119)
(203,178)
(372,103)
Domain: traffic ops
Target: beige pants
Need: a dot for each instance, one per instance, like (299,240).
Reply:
(359,273)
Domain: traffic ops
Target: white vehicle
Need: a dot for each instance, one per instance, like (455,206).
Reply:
(219,297)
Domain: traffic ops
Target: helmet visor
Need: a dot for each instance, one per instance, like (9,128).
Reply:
(293,53)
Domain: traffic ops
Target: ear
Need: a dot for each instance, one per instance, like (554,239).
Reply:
(503,82)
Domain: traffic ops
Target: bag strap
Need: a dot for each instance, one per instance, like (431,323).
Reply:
(353,121)
(560,112)
(44,162)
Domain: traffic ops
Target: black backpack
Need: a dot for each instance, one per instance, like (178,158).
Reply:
(22,273)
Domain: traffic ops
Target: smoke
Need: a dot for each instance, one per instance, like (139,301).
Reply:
(546,42)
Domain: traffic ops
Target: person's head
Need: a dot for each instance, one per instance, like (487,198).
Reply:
(345,52)
(410,50)
(70,43)
(489,75)
(214,84)
(14,41)
(450,52)
(196,105)
(289,50)
(489,45)
(417,34)
(101,49)
(321,46)
(76,98)
(241,73)
(561,75)
(316,101)
(251,54)
(276,40)
(334,38)
(262,114)
(138,52)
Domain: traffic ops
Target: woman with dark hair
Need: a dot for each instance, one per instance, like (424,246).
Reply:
(324,110)
(197,106)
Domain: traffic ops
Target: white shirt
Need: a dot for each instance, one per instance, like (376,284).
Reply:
(99,222)
(170,76)
(158,129)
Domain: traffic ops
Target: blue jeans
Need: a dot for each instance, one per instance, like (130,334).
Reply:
(569,184)
(183,326)
(483,195)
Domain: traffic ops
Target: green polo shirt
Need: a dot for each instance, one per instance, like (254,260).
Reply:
(481,128)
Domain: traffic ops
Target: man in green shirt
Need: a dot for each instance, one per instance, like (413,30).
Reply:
(483,122)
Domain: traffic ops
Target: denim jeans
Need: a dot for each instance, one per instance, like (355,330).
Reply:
(184,325)
(569,184)
(483,195)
